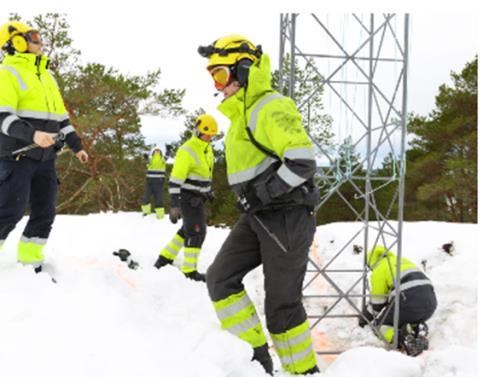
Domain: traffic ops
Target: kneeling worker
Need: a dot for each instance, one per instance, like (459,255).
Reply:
(417,300)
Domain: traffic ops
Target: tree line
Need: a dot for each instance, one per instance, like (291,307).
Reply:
(106,106)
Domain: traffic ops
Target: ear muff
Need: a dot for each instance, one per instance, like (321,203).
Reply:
(19,43)
(242,70)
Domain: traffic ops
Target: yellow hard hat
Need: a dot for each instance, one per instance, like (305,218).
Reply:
(206,124)
(229,50)
(14,36)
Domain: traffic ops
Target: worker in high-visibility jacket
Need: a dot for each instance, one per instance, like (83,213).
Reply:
(417,298)
(155,170)
(32,112)
(189,188)
(270,163)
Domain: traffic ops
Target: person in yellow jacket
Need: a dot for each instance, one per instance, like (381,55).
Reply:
(155,170)
(189,187)
(417,300)
(33,126)
(270,165)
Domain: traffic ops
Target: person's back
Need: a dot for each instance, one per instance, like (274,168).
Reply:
(417,298)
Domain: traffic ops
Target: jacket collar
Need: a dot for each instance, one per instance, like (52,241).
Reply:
(198,142)
(30,61)
(259,84)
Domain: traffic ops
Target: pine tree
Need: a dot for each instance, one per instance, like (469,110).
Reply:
(442,167)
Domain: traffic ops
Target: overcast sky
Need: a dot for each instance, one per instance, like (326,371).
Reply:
(137,39)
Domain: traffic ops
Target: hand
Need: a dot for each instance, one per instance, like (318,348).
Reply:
(210,196)
(361,321)
(43,139)
(174,214)
(82,156)
(249,202)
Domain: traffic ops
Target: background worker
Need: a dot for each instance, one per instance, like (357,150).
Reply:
(155,172)
(189,187)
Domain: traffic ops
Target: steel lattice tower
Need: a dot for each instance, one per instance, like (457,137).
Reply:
(362,62)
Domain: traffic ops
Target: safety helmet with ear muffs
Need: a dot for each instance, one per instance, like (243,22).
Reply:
(14,36)
(233,51)
(206,124)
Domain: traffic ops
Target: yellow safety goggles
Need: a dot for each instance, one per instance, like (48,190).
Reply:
(222,76)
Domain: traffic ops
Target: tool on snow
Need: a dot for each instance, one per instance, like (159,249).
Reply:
(125,256)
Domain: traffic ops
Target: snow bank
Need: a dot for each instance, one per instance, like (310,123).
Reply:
(103,319)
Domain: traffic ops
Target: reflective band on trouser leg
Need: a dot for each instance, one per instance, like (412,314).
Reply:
(387,332)
(146,208)
(191,255)
(172,249)
(238,315)
(30,250)
(294,347)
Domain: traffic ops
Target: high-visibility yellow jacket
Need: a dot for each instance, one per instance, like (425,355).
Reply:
(29,101)
(383,264)
(286,177)
(193,168)
(157,165)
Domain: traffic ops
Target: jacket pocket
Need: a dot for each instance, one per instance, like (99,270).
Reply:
(300,228)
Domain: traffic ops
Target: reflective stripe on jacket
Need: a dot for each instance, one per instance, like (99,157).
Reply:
(156,167)
(383,263)
(29,101)
(193,167)
(275,123)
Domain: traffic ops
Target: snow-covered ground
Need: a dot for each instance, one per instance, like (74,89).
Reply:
(103,319)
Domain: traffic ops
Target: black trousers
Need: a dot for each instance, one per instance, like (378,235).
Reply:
(416,305)
(193,229)
(25,183)
(154,187)
(248,246)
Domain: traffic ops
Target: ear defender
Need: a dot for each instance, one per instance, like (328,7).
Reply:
(242,70)
(19,43)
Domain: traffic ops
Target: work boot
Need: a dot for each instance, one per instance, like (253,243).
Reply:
(162,261)
(261,355)
(413,339)
(195,275)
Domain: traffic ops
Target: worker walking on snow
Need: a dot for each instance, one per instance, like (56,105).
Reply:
(270,164)
(156,167)
(189,188)
(31,112)
(417,300)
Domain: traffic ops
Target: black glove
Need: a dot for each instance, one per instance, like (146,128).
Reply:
(174,214)
(367,314)
(210,196)
(361,321)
